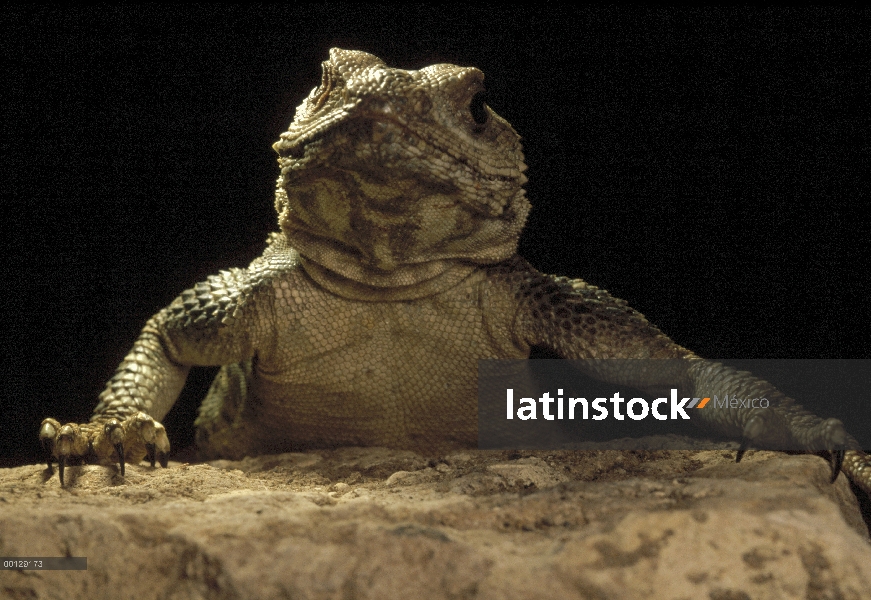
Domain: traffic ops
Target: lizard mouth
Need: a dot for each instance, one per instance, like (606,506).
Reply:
(375,142)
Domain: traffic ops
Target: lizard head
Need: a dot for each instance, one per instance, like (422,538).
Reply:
(392,177)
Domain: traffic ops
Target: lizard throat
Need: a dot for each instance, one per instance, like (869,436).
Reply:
(406,238)
(446,275)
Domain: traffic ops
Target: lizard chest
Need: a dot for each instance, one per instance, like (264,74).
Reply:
(320,336)
(335,361)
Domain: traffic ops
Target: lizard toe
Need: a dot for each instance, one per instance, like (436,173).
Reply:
(153,434)
(68,442)
(122,440)
(47,433)
(754,429)
(834,437)
(115,432)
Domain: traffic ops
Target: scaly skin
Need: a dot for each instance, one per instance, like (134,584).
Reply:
(400,204)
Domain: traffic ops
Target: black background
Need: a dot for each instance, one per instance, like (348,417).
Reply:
(708,166)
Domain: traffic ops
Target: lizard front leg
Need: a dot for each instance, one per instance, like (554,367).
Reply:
(124,427)
(580,321)
(220,321)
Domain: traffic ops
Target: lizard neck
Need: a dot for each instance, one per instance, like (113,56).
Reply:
(410,283)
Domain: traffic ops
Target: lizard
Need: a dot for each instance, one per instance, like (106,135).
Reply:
(400,204)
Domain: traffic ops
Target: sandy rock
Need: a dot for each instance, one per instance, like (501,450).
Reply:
(377,523)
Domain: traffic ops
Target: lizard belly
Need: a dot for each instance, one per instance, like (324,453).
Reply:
(400,374)
(361,396)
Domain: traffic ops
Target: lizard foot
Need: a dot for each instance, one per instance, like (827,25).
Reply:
(754,433)
(121,440)
(826,435)
(833,437)
(754,430)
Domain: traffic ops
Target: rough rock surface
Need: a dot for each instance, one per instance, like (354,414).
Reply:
(377,523)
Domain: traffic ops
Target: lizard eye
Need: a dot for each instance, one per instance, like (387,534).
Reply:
(479,109)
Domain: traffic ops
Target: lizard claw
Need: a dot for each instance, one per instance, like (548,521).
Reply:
(61,463)
(753,429)
(149,453)
(154,454)
(155,438)
(835,439)
(745,443)
(160,456)
(119,448)
(126,440)
(69,441)
(47,433)
(115,432)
